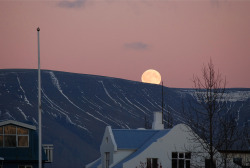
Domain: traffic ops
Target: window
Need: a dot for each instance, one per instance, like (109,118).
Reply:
(48,149)
(25,166)
(181,159)
(107,139)
(152,163)
(207,163)
(13,136)
(107,158)
(9,136)
(1,136)
(237,161)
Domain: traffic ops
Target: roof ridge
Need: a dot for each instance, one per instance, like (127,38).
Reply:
(18,123)
(135,130)
(154,138)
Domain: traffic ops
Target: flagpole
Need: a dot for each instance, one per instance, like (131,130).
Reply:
(162,101)
(39,106)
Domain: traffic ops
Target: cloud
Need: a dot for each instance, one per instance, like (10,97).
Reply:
(136,46)
(72,3)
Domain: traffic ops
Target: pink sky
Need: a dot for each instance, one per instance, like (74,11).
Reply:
(123,38)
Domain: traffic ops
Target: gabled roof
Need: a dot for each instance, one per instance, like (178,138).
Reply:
(17,124)
(142,140)
(95,164)
(132,139)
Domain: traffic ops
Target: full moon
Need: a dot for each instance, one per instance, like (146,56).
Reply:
(151,76)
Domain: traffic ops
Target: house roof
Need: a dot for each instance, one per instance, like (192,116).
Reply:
(145,138)
(17,124)
(132,139)
(95,164)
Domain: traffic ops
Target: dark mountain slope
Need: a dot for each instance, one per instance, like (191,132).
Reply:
(77,108)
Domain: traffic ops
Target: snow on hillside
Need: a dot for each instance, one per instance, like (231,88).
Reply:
(231,95)
(76,108)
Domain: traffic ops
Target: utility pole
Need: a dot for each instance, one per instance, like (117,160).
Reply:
(39,106)
(162,101)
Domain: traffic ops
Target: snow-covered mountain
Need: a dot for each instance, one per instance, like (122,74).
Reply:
(77,107)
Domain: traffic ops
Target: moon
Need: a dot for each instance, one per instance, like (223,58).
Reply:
(151,76)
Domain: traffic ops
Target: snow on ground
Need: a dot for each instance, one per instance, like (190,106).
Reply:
(34,120)
(230,96)
(9,115)
(25,98)
(25,117)
(237,96)
(106,91)
(57,85)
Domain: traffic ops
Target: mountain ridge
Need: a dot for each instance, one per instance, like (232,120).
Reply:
(77,107)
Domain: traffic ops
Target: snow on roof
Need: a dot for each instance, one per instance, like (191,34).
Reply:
(18,124)
(132,139)
(150,136)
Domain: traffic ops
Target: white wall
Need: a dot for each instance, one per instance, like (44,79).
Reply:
(177,140)
(108,145)
(120,155)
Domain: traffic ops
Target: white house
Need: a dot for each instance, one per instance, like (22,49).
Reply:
(155,148)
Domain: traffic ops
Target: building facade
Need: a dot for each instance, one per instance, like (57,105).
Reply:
(155,148)
(19,146)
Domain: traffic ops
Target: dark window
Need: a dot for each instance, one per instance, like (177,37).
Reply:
(25,166)
(10,129)
(187,163)
(152,163)
(181,160)
(23,141)
(174,155)
(181,155)
(10,140)
(207,164)
(1,140)
(174,163)
(181,163)
(188,155)
(237,161)
(149,163)
(1,136)
(107,139)
(107,157)
(12,136)
(29,166)
(22,131)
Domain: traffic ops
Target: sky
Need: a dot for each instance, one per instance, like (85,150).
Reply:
(124,38)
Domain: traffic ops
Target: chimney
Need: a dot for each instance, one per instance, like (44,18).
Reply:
(157,124)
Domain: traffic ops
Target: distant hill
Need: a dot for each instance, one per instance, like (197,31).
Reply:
(77,108)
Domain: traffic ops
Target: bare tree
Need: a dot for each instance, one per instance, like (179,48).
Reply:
(246,134)
(228,134)
(207,116)
(168,118)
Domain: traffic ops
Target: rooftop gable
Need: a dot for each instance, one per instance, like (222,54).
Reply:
(12,122)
